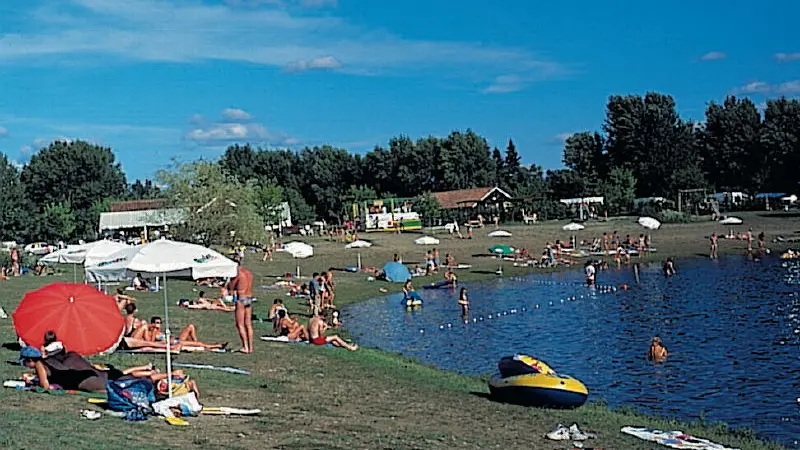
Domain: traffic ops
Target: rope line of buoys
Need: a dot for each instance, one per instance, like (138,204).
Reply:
(523,309)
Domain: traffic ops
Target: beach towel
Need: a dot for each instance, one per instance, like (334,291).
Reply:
(284,339)
(211,367)
(673,439)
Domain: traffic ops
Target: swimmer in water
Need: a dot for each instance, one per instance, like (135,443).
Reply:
(714,246)
(463,300)
(669,268)
(657,351)
(591,273)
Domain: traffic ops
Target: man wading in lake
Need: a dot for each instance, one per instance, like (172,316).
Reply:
(241,287)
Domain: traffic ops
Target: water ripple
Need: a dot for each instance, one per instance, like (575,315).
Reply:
(732,328)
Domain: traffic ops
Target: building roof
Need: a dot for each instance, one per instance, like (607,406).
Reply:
(138,205)
(467,198)
(140,219)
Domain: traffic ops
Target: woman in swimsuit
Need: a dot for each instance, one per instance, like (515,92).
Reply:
(657,351)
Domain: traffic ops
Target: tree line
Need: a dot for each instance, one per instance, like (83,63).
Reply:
(643,149)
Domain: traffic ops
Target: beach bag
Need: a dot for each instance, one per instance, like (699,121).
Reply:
(132,397)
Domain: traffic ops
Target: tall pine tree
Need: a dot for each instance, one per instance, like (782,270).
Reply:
(513,173)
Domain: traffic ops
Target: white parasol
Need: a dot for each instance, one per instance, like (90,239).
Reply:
(572,226)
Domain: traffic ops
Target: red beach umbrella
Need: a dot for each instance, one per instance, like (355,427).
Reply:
(86,320)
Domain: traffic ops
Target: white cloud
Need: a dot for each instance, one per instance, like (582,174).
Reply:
(26,150)
(233,114)
(3,132)
(320,63)
(233,128)
(193,31)
(713,56)
(504,84)
(789,88)
(562,137)
(786,57)
(755,87)
(318,3)
(302,3)
(761,87)
(761,106)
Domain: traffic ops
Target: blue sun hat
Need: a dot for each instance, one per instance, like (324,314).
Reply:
(29,353)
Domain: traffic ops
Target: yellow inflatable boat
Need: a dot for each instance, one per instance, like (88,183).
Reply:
(526,381)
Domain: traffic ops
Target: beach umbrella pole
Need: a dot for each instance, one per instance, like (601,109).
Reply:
(359,260)
(168,337)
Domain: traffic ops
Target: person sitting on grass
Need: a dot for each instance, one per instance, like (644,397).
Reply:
(52,346)
(451,277)
(290,327)
(132,323)
(449,261)
(316,331)
(122,299)
(153,336)
(139,283)
(277,305)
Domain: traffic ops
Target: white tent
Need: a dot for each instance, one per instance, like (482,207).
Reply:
(649,223)
(572,226)
(426,240)
(297,249)
(731,221)
(161,257)
(83,253)
(359,244)
(79,254)
(165,257)
(500,233)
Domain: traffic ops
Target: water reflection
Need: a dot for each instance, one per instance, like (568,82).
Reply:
(732,328)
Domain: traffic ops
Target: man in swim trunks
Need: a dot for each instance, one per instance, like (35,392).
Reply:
(241,287)
(316,331)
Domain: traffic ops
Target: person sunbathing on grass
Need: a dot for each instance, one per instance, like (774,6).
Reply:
(290,327)
(316,331)
(71,371)
(122,299)
(152,336)
(201,302)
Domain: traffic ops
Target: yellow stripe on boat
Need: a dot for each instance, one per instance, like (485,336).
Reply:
(541,381)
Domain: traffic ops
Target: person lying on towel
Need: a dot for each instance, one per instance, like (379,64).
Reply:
(152,336)
(71,371)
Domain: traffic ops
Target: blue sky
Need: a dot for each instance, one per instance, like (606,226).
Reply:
(157,80)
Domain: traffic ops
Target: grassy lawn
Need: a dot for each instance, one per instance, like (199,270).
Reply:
(333,399)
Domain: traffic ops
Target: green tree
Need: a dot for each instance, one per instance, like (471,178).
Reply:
(648,136)
(75,174)
(219,209)
(513,175)
(267,199)
(464,162)
(775,166)
(728,141)
(499,167)
(428,207)
(328,174)
(14,206)
(143,190)
(302,212)
(356,194)
(55,222)
(619,190)
(584,153)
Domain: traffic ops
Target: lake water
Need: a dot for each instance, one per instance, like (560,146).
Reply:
(732,328)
